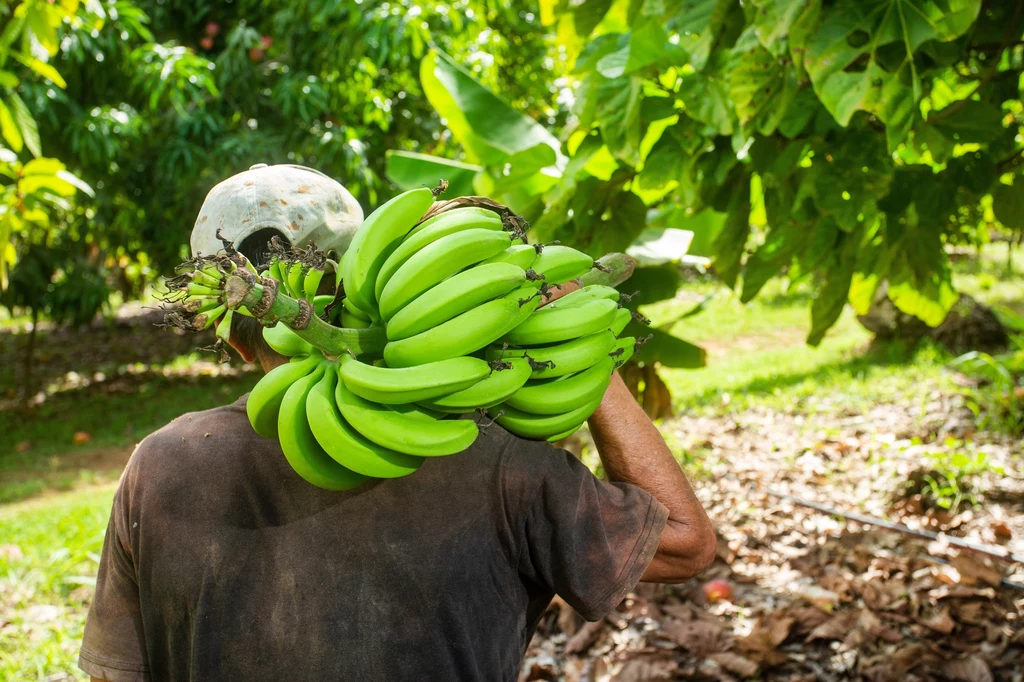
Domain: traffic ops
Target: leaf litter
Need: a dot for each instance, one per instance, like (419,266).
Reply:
(815,596)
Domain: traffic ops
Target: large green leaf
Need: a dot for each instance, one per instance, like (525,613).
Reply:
(652,284)
(618,115)
(489,129)
(26,124)
(969,121)
(761,86)
(9,129)
(647,44)
(1008,205)
(832,297)
(731,242)
(707,100)
(844,63)
(774,19)
(663,347)
(410,170)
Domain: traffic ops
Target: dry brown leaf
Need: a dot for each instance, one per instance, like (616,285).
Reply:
(584,637)
(644,668)
(807,618)
(699,637)
(974,570)
(735,664)
(961,592)
(940,621)
(971,669)
(825,600)
(568,619)
(836,627)
(1001,530)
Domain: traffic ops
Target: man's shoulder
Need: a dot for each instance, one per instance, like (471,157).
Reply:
(194,436)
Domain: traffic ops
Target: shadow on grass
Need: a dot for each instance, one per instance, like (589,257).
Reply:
(879,354)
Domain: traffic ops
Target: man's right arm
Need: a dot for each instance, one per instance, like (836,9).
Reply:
(633,451)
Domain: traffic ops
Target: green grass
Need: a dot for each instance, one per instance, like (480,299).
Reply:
(44,592)
(113,420)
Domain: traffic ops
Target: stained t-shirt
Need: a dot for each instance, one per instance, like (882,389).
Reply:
(220,563)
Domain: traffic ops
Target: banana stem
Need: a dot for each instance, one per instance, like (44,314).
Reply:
(611,269)
(242,290)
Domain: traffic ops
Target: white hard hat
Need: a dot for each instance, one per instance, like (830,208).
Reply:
(303,204)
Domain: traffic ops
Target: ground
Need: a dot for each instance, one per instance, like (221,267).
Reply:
(856,428)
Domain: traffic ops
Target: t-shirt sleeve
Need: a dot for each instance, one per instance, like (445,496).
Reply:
(114,647)
(585,539)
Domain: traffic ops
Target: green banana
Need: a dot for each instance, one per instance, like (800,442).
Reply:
(274,270)
(561,324)
(293,280)
(499,385)
(397,386)
(436,262)
(224,326)
(311,283)
(206,320)
(195,289)
(564,434)
(623,351)
(264,402)
(300,446)
(350,306)
(587,293)
(622,317)
(465,333)
(564,358)
(540,427)
(454,296)
(429,231)
(557,396)
(559,264)
(522,255)
(286,342)
(343,443)
(377,237)
(410,435)
(350,321)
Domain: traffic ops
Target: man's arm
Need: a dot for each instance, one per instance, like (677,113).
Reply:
(633,451)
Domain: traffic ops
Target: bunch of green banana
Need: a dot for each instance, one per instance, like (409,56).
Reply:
(433,318)
(572,347)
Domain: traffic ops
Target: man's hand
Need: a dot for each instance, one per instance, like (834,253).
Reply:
(556,292)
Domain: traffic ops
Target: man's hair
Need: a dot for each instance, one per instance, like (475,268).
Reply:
(247,331)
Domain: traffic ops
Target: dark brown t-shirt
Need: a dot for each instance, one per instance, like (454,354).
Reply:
(220,563)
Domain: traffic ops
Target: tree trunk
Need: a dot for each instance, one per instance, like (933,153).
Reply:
(30,347)
(968,326)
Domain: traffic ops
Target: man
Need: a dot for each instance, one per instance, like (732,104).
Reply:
(220,563)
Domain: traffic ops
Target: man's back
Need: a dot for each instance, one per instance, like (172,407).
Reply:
(221,563)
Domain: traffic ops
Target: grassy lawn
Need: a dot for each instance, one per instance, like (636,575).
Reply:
(49,545)
(48,563)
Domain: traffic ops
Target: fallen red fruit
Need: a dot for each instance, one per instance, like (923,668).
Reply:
(212,29)
(255,54)
(81,437)
(267,42)
(206,43)
(717,590)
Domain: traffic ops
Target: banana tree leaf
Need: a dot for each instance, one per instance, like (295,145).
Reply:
(410,170)
(669,350)
(488,129)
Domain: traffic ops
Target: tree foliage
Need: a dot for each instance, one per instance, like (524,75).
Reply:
(835,142)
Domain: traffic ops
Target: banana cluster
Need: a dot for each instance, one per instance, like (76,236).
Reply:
(572,346)
(454,300)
